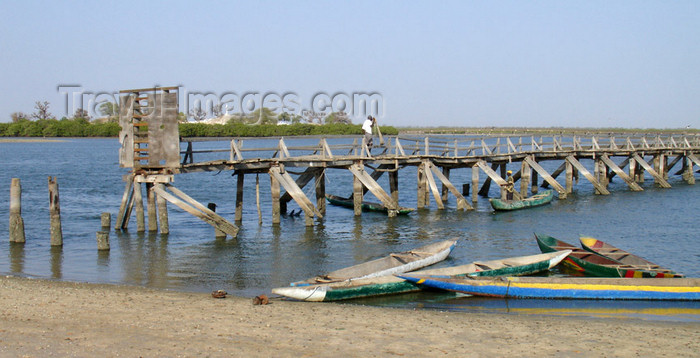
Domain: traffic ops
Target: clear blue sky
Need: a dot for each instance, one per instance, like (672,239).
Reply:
(629,64)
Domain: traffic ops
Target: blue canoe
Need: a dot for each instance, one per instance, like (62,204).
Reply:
(591,288)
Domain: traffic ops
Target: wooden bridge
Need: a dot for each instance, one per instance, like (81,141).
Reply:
(151,147)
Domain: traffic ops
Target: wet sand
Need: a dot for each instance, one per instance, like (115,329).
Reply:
(40,318)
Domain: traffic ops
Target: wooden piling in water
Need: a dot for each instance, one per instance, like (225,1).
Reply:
(320,186)
(16,221)
(240,177)
(106,220)
(475,183)
(152,208)
(103,241)
(275,194)
(163,222)
(357,195)
(55,213)
(138,204)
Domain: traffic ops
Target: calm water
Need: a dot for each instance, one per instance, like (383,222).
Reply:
(658,224)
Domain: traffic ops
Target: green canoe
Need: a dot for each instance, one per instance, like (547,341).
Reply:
(385,285)
(366,205)
(591,264)
(536,200)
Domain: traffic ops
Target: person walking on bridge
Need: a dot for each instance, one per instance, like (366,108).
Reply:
(367,128)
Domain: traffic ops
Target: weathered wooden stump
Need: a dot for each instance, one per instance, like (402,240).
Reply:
(55,213)
(16,221)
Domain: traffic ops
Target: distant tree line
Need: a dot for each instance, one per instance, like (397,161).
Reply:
(263,123)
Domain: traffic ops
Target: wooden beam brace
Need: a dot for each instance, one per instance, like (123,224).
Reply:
(659,178)
(630,182)
(195,208)
(461,201)
(431,184)
(301,181)
(296,193)
(358,171)
(495,177)
(546,177)
(601,189)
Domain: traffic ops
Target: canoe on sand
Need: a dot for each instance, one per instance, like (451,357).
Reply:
(385,285)
(592,264)
(389,265)
(619,255)
(676,289)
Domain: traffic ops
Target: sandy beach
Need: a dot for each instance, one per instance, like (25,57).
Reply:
(41,318)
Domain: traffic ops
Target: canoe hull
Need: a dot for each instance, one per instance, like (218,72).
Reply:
(366,205)
(677,289)
(386,285)
(591,264)
(389,265)
(537,200)
(621,256)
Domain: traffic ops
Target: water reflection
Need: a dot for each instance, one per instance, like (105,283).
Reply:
(144,258)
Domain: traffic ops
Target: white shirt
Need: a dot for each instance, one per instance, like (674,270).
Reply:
(367,126)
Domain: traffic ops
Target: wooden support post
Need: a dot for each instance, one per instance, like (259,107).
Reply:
(657,177)
(103,240)
(257,198)
(357,195)
(569,177)
(475,183)
(394,185)
(138,203)
(240,177)
(600,189)
(689,173)
(321,190)
(55,212)
(162,212)
(106,221)
(422,194)
(275,193)
(524,178)
(122,216)
(16,221)
(152,208)
(632,169)
(619,172)
(444,191)
(534,188)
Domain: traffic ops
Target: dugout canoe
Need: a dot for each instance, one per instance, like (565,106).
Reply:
(391,264)
(589,288)
(604,249)
(386,285)
(591,264)
(366,205)
(536,200)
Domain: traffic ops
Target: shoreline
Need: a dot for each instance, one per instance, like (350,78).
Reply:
(41,317)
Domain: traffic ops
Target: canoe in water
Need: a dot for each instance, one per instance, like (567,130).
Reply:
(536,200)
(366,205)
